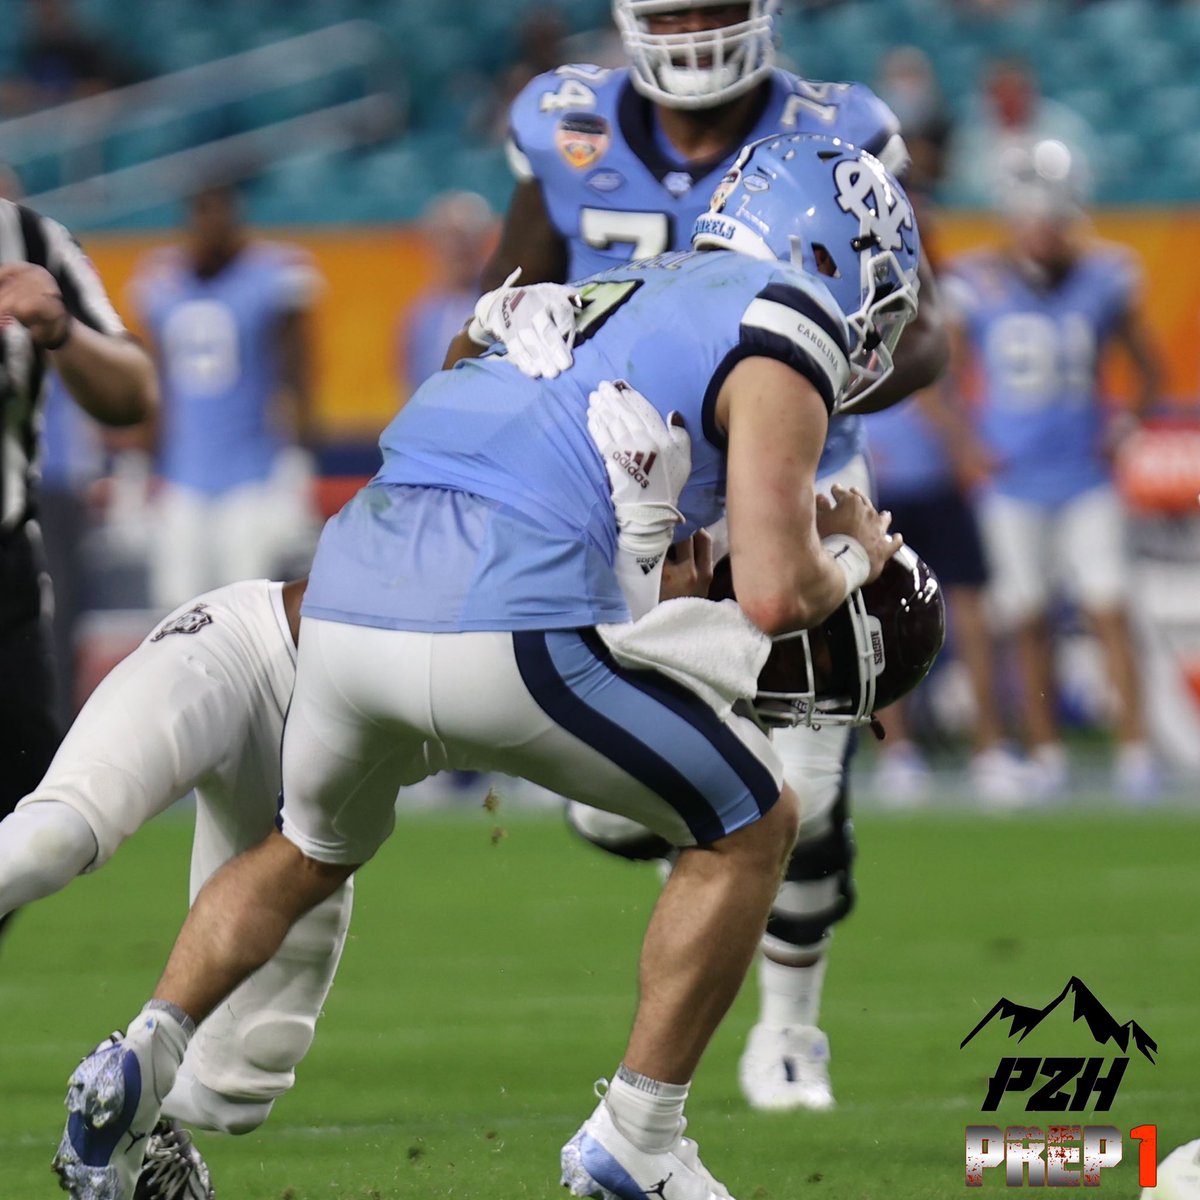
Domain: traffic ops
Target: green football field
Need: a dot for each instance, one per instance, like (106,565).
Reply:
(489,979)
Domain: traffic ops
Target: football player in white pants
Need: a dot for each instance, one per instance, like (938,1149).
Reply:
(786,1061)
(198,705)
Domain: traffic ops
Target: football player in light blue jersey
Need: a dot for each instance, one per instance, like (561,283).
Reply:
(614,165)
(228,319)
(451,620)
(1037,316)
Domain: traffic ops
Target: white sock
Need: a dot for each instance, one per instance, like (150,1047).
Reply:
(43,846)
(790,997)
(199,1107)
(161,1032)
(645,1110)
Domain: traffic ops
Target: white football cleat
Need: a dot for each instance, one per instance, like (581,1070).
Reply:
(601,1162)
(1003,780)
(783,1069)
(114,1098)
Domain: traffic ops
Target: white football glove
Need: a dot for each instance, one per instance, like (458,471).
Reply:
(536,324)
(648,461)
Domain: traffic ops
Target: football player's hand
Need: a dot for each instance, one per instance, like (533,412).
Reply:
(852,514)
(688,568)
(648,461)
(536,324)
(30,294)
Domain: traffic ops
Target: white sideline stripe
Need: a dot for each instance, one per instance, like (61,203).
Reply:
(807,334)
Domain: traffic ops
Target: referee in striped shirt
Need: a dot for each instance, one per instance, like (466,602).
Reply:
(54,312)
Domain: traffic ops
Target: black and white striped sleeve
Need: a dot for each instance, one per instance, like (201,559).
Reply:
(49,244)
(792,325)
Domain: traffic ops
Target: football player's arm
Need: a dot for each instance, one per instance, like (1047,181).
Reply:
(947,409)
(1132,335)
(528,240)
(775,421)
(293,336)
(922,353)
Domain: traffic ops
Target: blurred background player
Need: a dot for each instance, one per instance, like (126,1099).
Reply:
(229,320)
(926,459)
(460,227)
(617,164)
(1037,316)
(1010,115)
(54,313)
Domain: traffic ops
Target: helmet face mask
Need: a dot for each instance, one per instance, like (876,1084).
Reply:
(701,69)
(826,206)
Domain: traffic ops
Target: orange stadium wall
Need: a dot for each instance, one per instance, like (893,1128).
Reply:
(372,275)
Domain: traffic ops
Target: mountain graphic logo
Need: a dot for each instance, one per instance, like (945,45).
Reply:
(1102,1025)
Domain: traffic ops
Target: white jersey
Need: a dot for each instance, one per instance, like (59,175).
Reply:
(199,705)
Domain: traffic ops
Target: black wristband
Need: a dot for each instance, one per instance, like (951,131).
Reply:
(68,328)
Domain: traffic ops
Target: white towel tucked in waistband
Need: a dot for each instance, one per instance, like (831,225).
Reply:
(712,648)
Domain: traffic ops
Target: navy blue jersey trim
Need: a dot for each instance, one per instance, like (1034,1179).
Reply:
(686,704)
(762,345)
(634,116)
(799,300)
(555,698)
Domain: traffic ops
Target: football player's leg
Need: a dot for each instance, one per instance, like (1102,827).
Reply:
(341,768)
(244,1056)
(1092,540)
(786,1061)
(1021,561)
(137,746)
(180,564)
(633,743)
(42,848)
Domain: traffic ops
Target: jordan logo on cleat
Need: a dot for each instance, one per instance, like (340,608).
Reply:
(660,1188)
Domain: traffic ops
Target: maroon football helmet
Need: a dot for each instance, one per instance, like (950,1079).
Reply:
(874,649)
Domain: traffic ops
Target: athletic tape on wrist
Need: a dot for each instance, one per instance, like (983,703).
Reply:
(851,556)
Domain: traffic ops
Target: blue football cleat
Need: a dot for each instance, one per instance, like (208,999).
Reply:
(113,1100)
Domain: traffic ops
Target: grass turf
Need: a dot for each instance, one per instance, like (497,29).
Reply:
(485,985)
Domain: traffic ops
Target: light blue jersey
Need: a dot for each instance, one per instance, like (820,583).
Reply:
(614,189)
(908,456)
(493,510)
(216,343)
(1039,355)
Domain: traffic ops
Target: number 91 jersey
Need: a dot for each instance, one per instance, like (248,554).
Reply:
(1039,351)
(614,192)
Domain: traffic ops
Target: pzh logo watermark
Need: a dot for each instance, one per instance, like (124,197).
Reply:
(1063,1156)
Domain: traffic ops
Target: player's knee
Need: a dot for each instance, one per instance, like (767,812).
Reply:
(817,891)
(199,1106)
(274,1043)
(615,834)
(774,835)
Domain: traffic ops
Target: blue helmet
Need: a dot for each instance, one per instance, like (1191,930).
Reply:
(836,212)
